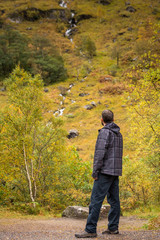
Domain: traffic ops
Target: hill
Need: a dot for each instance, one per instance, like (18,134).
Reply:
(106,45)
(115,27)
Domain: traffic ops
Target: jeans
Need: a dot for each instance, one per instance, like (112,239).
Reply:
(105,185)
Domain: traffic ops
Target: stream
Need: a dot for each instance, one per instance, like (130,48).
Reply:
(60,111)
(68,34)
(72,22)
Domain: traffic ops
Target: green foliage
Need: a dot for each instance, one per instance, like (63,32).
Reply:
(87,47)
(51,68)
(35,164)
(41,58)
(142,174)
(154,223)
(13,49)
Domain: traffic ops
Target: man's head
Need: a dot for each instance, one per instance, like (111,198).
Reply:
(107,117)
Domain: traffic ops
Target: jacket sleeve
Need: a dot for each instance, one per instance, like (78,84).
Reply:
(100,150)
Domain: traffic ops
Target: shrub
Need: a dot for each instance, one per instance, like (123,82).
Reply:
(87,47)
(36,167)
(41,57)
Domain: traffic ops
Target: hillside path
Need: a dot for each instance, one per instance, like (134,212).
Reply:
(64,228)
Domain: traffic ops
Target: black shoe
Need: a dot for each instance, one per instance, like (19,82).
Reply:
(110,232)
(85,235)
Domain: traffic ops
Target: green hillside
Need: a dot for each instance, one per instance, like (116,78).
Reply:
(111,26)
(126,35)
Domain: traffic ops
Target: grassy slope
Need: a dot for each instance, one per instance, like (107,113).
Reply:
(106,25)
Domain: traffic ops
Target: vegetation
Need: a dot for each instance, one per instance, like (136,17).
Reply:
(35,164)
(115,45)
(40,57)
(87,47)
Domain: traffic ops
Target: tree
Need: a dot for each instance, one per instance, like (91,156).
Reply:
(47,61)
(36,56)
(35,164)
(142,174)
(87,47)
(13,49)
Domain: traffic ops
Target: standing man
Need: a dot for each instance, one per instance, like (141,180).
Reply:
(107,168)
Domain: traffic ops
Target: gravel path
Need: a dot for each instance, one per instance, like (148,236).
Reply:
(63,228)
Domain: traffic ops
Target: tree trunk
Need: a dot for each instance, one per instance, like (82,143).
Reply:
(28,176)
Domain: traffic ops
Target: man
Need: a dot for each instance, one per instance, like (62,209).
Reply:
(107,168)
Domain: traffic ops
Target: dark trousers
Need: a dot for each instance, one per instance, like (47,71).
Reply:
(106,185)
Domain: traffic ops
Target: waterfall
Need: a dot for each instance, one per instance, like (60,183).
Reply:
(72,22)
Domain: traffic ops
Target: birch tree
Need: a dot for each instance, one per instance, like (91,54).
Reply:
(29,139)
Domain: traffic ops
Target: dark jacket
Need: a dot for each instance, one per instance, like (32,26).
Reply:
(108,151)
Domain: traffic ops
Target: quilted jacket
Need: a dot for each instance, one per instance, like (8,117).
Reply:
(108,151)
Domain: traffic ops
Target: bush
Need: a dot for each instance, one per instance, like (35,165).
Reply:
(36,166)
(87,47)
(42,58)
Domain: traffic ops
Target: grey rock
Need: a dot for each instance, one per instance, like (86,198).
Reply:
(121,33)
(88,107)
(82,212)
(73,133)
(130,28)
(29,28)
(134,59)
(83,94)
(131,9)
(124,15)
(46,90)
(3,89)
(98,103)
(123,106)
(93,104)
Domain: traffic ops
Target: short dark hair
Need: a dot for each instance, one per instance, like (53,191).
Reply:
(107,116)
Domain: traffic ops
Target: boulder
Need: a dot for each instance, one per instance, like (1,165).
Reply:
(46,90)
(3,89)
(29,28)
(121,33)
(73,133)
(83,94)
(82,212)
(131,9)
(93,104)
(88,107)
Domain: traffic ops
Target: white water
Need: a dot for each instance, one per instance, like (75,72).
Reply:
(63,4)
(59,112)
(15,21)
(67,33)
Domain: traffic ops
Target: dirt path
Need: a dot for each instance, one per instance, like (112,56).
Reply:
(63,228)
